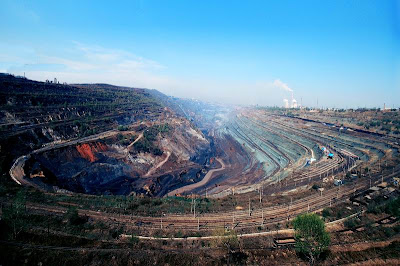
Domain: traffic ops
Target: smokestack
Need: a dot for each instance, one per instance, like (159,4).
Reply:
(292,96)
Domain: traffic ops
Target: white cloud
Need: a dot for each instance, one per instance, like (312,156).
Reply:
(122,58)
(96,64)
(91,64)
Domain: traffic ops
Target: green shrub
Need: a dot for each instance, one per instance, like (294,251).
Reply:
(122,128)
(393,207)
(156,202)
(389,232)
(145,201)
(351,223)
(74,218)
(373,208)
(339,214)
(134,240)
(14,216)
(179,234)
(326,212)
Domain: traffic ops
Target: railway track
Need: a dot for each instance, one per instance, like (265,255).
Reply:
(332,164)
(329,139)
(257,147)
(266,217)
(266,141)
(264,127)
(302,177)
(318,171)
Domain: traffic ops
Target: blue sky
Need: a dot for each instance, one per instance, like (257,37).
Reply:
(343,53)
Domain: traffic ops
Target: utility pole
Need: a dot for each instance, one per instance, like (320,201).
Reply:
(370,181)
(262,217)
(198,223)
(288,209)
(260,194)
(191,205)
(194,208)
(249,208)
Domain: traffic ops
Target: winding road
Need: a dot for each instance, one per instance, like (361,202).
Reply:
(152,170)
(204,181)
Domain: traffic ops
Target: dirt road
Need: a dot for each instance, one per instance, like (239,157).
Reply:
(152,170)
(136,140)
(204,181)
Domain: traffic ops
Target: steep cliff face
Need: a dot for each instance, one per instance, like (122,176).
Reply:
(34,113)
(87,151)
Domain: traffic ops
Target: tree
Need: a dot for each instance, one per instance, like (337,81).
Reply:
(225,238)
(15,214)
(228,239)
(74,218)
(311,236)
(122,128)
(393,207)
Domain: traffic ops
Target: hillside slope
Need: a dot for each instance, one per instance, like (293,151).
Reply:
(98,138)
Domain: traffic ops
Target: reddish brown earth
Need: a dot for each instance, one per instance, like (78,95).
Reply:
(88,150)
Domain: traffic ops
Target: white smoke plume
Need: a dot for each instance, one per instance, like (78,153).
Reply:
(286,103)
(279,84)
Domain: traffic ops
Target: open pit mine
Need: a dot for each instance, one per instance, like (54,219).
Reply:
(179,164)
(94,140)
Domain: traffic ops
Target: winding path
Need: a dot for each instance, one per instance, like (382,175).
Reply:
(204,181)
(152,170)
(136,140)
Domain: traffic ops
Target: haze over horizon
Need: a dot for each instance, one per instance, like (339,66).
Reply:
(343,53)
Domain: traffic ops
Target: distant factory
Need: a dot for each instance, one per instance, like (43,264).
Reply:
(293,103)
(286,103)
